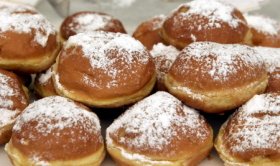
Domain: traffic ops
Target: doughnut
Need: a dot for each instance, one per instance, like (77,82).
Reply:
(148,31)
(251,135)
(215,77)
(163,57)
(205,20)
(271,57)
(104,69)
(159,130)
(88,21)
(274,81)
(13,99)
(56,131)
(43,84)
(265,31)
(28,41)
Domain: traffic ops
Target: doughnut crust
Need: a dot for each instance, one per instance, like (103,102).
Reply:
(88,21)
(205,20)
(251,136)
(265,31)
(104,69)
(13,100)
(43,84)
(32,34)
(56,131)
(216,77)
(159,130)
(274,82)
(148,32)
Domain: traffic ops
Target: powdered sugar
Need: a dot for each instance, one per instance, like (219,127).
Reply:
(158,21)
(164,56)
(7,116)
(104,50)
(56,113)
(215,11)
(220,60)
(257,124)
(271,57)
(89,22)
(44,77)
(23,19)
(7,108)
(153,122)
(263,24)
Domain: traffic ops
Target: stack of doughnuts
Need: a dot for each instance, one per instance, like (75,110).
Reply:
(56,131)
(251,135)
(88,21)
(148,31)
(265,31)
(159,130)
(104,69)
(33,35)
(204,55)
(13,99)
(205,20)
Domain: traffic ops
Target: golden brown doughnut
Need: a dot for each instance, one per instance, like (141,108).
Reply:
(205,20)
(148,31)
(216,77)
(251,136)
(265,31)
(159,130)
(163,56)
(56,131)
(88,21)
(271,57)
(43,84)
(104,69)
(28,41)
(13,100)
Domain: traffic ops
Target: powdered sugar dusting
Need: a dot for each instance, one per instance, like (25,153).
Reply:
(7,110)
(220,60)
(271,57)
(263,24)
(89,22)
(98,47)
(7,116)
(164,56)
(44,77)
(153,123)
(257,125)
(158,21)
(215,10)
(56,113)
(24,19)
